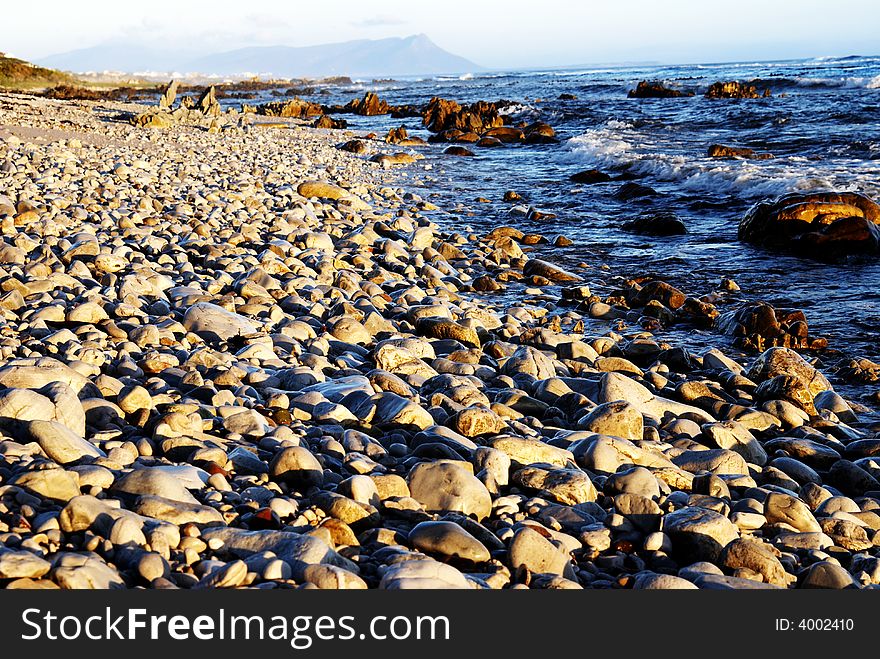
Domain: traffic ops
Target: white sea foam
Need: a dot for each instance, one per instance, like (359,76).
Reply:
(847,82)
(617,146)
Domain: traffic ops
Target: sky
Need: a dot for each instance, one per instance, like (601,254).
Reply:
(498,35)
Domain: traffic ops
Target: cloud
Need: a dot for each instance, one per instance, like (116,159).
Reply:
(379,21)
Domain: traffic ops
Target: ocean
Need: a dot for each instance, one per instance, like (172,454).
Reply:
(821,123)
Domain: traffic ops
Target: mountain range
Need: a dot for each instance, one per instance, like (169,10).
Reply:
(396,56)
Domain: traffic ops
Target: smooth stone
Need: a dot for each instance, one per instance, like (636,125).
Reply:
(827,575)
(636,480)
(618,419)
(297,466)
(56,484)
(60,443)
(155,481)
(756,556)
(616,386)
(331,577)
(531,361)
(448,540)
(526,451)
(531,550)
(567,486)
(785,508)
(176,512)
(37,373)
(299,550)
(79,572)
(699,534)
(720,462)
(22,565)
(785,361)
(421,574)
(446,487)
(653,581)
(215,323)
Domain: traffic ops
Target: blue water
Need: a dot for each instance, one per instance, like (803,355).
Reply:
(822,124)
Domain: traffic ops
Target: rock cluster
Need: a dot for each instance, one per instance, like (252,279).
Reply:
(294,108)
(734,89)
(206,111)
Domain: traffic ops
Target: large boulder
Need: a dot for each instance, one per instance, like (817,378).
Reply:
(824,225)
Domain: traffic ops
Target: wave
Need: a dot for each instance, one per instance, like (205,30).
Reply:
(616,146)
(850,82)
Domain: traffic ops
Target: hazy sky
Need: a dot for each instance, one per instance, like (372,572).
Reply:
(505,34)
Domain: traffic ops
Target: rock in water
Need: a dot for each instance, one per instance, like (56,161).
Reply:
(646,89)
(822,225)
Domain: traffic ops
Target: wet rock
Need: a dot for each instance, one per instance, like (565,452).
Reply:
(539,268)
(656,224)
(647,89)
(590,176)
(721,151)
(821,225)
(733,89)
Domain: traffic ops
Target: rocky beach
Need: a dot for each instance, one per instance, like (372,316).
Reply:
(253,350)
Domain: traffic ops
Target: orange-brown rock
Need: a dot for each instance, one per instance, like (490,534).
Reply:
(326,121)
(443,114)
(506,134)
(369,106)
(721,151)
(295,108)
(823,225)
(733,89)
(759,326)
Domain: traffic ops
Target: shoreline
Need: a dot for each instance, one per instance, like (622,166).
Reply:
(246,370)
